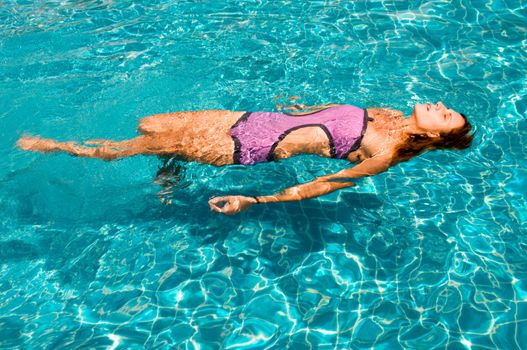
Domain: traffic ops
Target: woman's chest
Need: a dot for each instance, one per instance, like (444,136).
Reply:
(309,139)
(378,140)
(312,140)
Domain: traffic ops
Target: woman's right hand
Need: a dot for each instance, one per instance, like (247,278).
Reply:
(230,205)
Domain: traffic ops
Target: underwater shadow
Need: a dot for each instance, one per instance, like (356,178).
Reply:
(16,250)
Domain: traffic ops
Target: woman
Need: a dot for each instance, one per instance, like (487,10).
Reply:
(375,138)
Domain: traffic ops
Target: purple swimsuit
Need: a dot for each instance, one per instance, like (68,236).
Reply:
(257,134)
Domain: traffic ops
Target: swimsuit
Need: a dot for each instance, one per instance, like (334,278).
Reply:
(257,134)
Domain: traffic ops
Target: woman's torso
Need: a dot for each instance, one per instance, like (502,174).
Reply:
(206,136)
(337,132)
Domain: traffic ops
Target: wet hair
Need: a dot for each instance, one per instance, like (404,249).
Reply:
(416,144)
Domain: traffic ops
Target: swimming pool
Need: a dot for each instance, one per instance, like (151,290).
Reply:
(428,255)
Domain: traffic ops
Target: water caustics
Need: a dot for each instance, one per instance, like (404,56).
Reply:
(430,254)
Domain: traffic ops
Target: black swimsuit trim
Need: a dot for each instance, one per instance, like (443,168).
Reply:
(270,156)
(356,145)
(236,157)
(303,114)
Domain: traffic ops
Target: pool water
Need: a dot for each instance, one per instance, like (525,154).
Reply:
(430,254)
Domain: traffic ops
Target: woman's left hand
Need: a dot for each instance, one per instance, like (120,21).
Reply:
(231,205)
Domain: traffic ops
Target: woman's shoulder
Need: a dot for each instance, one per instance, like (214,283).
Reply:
(379,138)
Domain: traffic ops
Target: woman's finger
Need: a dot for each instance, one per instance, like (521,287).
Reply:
(228,209)
(213,203)
(215,200)
(214,207)
(220,204)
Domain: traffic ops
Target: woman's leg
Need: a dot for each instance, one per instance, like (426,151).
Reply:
(103,149)
(201,136)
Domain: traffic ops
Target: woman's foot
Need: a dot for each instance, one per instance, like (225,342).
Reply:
(37,144)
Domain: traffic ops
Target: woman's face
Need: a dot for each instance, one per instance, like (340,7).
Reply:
(437,118)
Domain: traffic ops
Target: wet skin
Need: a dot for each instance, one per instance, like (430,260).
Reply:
(203,136)
(436,118)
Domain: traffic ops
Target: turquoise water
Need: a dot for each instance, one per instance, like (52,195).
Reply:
(430,254)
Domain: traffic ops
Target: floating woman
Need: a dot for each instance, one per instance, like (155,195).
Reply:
(373,138)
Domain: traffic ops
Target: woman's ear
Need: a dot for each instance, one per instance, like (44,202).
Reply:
(432,134)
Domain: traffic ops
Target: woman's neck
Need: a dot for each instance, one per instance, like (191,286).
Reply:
(410,127)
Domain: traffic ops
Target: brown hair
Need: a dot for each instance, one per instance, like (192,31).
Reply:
(416,144)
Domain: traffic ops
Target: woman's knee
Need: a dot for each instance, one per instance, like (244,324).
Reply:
(148,125)
(162,123)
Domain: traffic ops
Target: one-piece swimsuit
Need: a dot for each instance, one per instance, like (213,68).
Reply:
(257,134)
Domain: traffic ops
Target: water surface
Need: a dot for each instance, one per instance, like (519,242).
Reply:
(429,254)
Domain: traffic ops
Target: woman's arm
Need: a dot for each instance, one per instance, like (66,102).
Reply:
(319,187)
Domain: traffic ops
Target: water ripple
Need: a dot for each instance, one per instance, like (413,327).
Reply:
(429,254)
